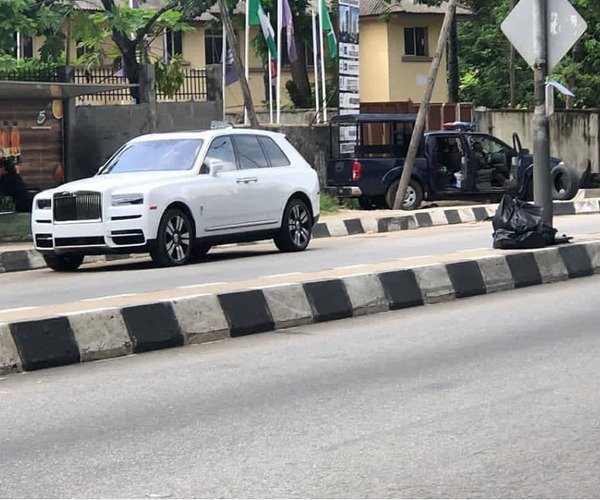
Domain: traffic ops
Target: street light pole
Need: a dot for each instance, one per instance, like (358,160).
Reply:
(542,185)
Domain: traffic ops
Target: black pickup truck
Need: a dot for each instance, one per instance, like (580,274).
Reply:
(459,163)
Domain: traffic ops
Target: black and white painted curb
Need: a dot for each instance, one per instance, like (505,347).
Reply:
(107,333)
(27,260)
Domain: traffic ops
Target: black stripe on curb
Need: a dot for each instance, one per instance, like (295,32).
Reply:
(466,279)
(577,261)
(354,226)
(524,269)
(480,213)
(401,289)
(564,208)
(452,216)
(320,231)
(45,343)
(15,261)
(424,219)
(152,326)
(246,312)
(383,225)
(328,300)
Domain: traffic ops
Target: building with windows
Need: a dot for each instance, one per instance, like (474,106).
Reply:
(397,41)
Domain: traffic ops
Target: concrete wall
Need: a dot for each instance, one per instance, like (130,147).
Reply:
(574,134)
(95,133)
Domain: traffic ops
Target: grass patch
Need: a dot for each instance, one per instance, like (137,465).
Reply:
(329,204)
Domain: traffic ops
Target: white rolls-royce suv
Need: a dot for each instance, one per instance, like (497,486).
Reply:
(175,195)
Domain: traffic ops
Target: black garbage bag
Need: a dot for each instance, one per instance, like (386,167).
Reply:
(518,224)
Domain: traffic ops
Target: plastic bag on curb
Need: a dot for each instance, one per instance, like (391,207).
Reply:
(518,224)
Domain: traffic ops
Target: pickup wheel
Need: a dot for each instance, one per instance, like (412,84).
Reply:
(174,240)
(413,198)
(63,263)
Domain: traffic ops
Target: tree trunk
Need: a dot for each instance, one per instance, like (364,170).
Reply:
(131,67)
(302,95)
(453,72)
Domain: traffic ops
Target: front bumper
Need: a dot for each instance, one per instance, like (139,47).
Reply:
(344,191)
(120,233)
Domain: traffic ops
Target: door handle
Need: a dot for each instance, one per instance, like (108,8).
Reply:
(247,180)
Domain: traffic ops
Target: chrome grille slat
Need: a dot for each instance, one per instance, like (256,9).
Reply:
(78,206)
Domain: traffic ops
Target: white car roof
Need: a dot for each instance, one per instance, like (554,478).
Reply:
(205,134)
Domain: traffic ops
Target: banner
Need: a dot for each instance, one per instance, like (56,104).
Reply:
(348,52)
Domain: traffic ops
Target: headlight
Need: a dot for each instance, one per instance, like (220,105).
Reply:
(126,199)
(44,204)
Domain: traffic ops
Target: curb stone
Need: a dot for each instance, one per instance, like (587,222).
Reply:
(27,260)
(99,334)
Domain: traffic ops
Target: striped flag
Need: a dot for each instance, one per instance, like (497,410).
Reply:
(288,23)
(328,29)
(231,74)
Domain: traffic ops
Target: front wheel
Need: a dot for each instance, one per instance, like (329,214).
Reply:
(412,199)
(63,263)
(296,227)
(174,240)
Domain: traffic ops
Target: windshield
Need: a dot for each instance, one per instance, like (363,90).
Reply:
(148,156)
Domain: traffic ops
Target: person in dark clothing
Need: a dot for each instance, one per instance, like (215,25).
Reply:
(12,184)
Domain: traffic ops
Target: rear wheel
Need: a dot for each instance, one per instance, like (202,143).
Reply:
(63,263)
(565,182)
(412,199)
(174,240)
(296,227)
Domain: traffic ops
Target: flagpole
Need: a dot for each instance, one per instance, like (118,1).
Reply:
(279,28)
(324,79)
(270,78)
(247,51)
(315,60)
(224,65)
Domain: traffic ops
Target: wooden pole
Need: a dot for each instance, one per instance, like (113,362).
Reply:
(512,70)
(237,60)
(424,107)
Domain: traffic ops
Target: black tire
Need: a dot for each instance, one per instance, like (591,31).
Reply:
(175,239)
(565,182)
(63,263)
(366,203)
(296,227)
(413,199)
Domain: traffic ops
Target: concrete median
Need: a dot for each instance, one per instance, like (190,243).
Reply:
(104,333)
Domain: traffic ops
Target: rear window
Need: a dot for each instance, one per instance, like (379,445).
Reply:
(274,153)
(249,152)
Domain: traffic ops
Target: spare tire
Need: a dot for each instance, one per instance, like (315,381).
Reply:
(565,182)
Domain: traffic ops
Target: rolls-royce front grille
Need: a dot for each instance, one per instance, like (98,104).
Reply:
(79,206)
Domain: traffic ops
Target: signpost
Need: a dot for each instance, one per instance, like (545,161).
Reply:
(556,28)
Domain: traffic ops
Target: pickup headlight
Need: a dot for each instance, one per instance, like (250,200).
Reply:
(118,200)
(44,204)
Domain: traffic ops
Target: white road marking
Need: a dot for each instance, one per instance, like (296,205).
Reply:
(109,297)
(203,284)
(282,275)
(271,286)
(349,267)
(16,309)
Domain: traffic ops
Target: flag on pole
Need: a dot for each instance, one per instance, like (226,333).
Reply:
(328,29)
(231,74)
(288,24)
(267,31)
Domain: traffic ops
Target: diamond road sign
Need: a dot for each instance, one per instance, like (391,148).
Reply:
(564,25)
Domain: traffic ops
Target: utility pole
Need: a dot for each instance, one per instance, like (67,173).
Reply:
(512,71)
(237,60)
(424,107)
(453,73)
(542,188)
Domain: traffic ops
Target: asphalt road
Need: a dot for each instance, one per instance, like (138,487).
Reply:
(44,287)
(495,396)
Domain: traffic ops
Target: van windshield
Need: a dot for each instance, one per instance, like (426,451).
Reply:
(160,154)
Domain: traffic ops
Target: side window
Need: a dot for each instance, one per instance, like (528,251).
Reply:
(221,148)
(250,154)
(274,153)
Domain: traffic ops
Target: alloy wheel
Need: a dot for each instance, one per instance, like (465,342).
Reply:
(177,238)
(299,225)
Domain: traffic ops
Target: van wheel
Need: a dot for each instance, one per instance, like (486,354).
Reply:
(174,240)
(63,263)
(296,227)
(413,198)
(565,182)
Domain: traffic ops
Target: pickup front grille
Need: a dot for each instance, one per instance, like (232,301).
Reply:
(79,206)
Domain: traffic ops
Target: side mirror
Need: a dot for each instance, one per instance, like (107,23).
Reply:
(214,166)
